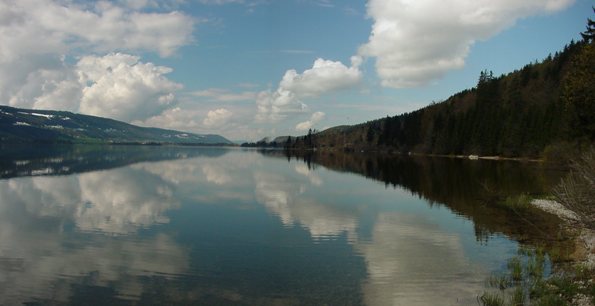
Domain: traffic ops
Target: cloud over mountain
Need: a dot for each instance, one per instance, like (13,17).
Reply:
(45,61)
(123,87)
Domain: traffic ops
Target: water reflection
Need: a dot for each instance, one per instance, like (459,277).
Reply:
(218,226)
(412,257)
(309,173)
(27,160)
(468,188)
(116,202)
(57,232)
(410,260)
(286,197)
(42,258)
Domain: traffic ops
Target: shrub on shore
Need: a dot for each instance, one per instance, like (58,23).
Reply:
(577,190)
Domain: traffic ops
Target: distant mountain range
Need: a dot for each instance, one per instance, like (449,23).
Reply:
(46,126)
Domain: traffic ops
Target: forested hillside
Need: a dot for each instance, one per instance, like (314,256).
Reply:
(19,125)
(545,107)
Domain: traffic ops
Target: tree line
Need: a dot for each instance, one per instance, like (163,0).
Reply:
(542,108)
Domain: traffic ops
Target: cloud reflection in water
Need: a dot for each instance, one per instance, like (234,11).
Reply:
(36,244)
(412,256)
(105,228)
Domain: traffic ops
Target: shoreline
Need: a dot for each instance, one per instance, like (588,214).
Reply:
(390,152)
(478,157)
(585,238)
(583,256)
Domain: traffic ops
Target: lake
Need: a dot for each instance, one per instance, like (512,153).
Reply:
(126,225)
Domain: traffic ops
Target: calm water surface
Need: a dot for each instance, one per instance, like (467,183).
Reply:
(154,225)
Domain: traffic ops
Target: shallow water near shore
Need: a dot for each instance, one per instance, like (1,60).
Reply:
(129,225)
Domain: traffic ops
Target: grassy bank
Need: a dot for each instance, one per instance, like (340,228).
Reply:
(530,278)
(528,281)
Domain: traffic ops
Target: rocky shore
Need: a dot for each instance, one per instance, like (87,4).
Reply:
(584,255)
(585,237)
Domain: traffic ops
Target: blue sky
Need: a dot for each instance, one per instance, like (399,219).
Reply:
(247,69)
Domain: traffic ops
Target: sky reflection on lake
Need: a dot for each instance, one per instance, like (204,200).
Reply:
(235,227)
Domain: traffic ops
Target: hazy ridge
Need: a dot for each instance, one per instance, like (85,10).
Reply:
(46,126)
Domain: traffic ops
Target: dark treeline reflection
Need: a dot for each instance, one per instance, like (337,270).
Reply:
(153,225)
(476,189)
(27,160)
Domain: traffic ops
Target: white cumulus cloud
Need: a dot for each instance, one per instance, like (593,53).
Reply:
(41,40)
(58,26)
(44,88)
(116,85)
(415,42)
(324,76)
(308,124)
(124,88)
(217,117)
(275,106)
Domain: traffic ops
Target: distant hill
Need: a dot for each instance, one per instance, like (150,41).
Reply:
(545,108)
(266,142)
(45,126)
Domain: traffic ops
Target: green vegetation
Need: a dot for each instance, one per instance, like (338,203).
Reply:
(525,282)
(491,299)
(577,190)
(518,202)
(516,269)
(545,109)
(589,33)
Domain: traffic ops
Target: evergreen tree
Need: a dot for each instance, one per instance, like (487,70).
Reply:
(589,34)
(579,95)
(543,105)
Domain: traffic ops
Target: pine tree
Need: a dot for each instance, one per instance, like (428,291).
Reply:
(578,94)
(589,34)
